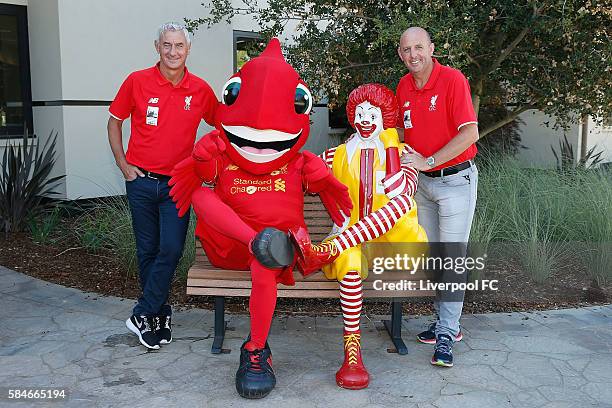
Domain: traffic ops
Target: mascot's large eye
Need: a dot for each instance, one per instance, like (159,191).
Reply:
(231,89)
(303,100)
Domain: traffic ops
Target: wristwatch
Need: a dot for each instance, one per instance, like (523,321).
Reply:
(431,162)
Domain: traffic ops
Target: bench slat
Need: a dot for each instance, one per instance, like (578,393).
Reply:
(306,293)
(213,273)
(221,283)
(196,273)
(212,283)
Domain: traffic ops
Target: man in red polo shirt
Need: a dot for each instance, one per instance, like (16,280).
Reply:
(438,120)
(165,103)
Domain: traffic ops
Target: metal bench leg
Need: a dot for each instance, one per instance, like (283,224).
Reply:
(394,327)
(220,325)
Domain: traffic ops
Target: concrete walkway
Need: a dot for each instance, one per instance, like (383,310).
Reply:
(51,336)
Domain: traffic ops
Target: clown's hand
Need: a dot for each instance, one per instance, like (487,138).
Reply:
(184,182)
(334,195)
(389,138)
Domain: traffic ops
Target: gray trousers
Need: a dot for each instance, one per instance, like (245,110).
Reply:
(445,210)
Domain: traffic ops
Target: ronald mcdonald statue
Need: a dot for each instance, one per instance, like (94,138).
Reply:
(258,178)
(381,190)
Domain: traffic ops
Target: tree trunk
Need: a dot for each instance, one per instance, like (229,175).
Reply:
(476,92)
(512,115)
(476,103)
(584,138)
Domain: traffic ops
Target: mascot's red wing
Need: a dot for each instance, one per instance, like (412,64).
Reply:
(334,195)
(184,182)
(203,166)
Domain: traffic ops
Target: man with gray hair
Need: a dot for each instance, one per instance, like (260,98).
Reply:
(439,123)
(166,104)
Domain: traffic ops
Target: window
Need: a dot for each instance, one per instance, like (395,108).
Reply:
(15,91)
(247,45)
(338,118)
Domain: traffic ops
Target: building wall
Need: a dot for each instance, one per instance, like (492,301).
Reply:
(98,53)
(538,138)
(48,122)
(600,137)
(538,135)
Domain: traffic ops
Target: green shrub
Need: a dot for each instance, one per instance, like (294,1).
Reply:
(45,225)
(594,224)
(546,218)
(108,224)
(25,186)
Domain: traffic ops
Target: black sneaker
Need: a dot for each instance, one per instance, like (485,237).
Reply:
(255,376)
(144,328)
(163,328)
(429,336)
(443,352)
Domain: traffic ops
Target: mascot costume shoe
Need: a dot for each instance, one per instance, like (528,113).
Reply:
(257,179)
(381,190)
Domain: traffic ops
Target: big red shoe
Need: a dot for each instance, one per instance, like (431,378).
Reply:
(352,375)
(312,257)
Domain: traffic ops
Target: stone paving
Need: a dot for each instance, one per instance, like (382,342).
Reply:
(51,336)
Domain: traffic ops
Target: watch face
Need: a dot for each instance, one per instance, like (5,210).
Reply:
(431,161)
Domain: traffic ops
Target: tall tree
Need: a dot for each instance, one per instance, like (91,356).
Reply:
(552,55)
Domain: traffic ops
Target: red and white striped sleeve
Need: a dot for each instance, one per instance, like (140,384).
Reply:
(328,156)
(404,182)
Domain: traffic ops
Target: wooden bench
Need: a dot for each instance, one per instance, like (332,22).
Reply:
(205,279)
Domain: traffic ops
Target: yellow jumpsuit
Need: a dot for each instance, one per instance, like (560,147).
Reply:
(407,228)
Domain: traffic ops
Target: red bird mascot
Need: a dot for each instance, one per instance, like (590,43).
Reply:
(258,178)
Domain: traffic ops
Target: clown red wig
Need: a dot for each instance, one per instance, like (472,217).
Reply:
(378,95)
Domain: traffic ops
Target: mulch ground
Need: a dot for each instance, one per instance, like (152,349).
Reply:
(66,263)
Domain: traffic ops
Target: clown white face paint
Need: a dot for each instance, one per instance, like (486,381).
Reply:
(368,120)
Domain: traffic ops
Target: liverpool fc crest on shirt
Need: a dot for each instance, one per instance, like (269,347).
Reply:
(187,103)
(432,103)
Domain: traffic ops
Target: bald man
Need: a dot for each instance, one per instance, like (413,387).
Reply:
(438,121)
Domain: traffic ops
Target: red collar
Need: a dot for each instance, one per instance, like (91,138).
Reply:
(161,80)
(433,77)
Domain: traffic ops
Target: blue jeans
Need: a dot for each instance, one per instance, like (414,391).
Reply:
(160,236)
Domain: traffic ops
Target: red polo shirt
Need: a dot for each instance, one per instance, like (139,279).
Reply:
(164,118)
(433,115)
